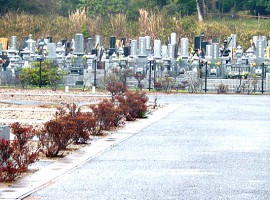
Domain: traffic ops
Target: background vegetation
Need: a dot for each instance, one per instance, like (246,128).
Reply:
(62,19)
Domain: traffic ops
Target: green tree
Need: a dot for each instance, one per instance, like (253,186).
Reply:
(104,7)
(50,74)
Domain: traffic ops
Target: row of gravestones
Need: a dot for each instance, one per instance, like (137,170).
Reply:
(139,53)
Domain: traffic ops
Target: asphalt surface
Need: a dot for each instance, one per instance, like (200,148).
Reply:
(204,147)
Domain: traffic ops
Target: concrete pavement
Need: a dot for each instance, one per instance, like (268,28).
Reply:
(197,147)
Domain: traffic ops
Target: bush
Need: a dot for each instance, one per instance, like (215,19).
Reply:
(222,88)
(26,150)
(9,170)
(133,105)
(116,88)
(107,115)
(56,135)
(15,156)
(83,125)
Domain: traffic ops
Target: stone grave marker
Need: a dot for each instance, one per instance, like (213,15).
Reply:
(209,52)
(51,51)
(173,38)
(134,48)
(157,49)
(164,51)
(142,46)
(215,51)
(13,42)
(5,132)
(1,49)
(79,44)
(184,48)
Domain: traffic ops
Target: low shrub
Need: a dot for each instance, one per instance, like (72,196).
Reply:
(222,88)
(9,169)
(26,150)
(107,114)
(133,105)
(16,155)
(56,135)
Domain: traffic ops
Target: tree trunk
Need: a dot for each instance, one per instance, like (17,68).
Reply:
(199,5)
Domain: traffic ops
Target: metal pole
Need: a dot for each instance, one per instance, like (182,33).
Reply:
(205,82)
(262,75)
(95,72)
(150,71)
(40,79)
(155,72)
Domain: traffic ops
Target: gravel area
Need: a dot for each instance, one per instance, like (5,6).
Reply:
(35,106)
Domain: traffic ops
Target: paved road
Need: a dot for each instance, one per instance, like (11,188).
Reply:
(208,147)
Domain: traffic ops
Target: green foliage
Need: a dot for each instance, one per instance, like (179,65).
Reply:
(132,7)
(50,74)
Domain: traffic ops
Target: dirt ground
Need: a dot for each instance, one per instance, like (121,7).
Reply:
(35,106)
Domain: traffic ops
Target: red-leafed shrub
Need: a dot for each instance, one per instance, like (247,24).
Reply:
(56,135)
(107,114)
(133,105)
(116,88)
(25,149)
(8,167)
(16,155)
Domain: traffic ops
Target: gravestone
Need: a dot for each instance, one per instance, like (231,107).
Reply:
(215,51)
(5,132)
(112,45)
(79,44)
(126,51)
(4,42)
(142,46)
(203,47)
(233,43)
(157,49)
(173,38)
(31,44)
(1,49)
(197,42)
(13,42)
(89,45)
(184,48)
(51,51)
(171,51)
(209,52)
(148,45)
(164,51)
(98,41)
(260,47)
(134,48)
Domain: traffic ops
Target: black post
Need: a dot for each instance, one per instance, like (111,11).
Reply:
(40,79)
(150,72)
(205,81)
(95,72)
(240,78)
(262,75)
(154,72)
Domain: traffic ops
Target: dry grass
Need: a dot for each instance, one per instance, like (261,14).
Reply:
(158,25)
